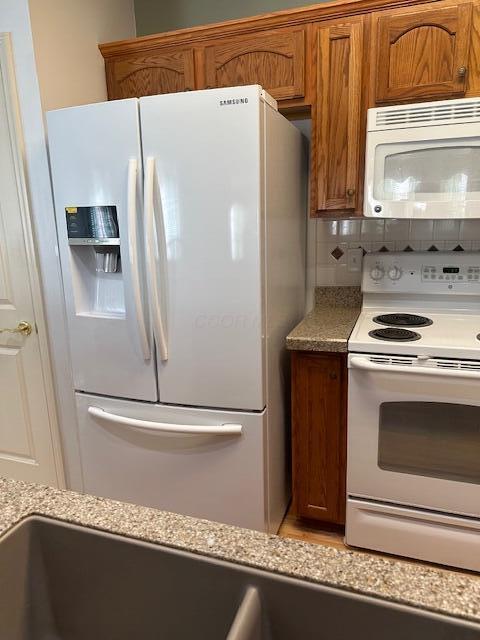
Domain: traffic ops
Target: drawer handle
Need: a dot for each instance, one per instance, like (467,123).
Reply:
(166,427)
(462,72)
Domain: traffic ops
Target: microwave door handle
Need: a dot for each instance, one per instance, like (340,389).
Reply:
(152,266)
(134,258)
(357,362)
(227,429)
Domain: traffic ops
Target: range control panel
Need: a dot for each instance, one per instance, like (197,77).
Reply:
(423,271)
(431,272)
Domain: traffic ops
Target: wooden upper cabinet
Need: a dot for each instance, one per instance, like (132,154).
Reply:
(273,59)
(337,143)
(422,52)
(151,72)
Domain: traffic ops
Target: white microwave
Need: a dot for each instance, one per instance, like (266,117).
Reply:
(423,160)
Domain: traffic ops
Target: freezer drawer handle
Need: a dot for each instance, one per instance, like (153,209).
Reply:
(366,365)
(166,427)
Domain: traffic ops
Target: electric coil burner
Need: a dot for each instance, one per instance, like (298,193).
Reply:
(394,334)
(403,320)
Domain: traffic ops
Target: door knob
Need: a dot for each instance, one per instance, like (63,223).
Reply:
(462,71)
(25,328)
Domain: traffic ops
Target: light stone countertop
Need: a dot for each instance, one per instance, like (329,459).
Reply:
(448,592)
(329,325)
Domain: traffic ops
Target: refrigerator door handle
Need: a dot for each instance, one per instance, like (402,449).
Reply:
(133,258)
(152,264)
(227,429)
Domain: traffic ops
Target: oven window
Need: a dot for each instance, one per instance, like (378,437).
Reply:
(442,172)
(434,439)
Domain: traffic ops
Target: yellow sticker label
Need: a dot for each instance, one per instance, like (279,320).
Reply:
(71,209)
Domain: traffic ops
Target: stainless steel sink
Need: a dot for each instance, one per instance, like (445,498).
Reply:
(63,582)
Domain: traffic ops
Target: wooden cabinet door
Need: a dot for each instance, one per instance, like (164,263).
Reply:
(273,59)
(150,73)
(422,53)
(319,398)
(337,118)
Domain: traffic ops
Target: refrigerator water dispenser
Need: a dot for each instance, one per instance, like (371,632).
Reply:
(93,236)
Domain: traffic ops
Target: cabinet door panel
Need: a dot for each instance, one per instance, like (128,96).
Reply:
(422,54)
(319,435)
(273,59)
(337,117)
(148,74)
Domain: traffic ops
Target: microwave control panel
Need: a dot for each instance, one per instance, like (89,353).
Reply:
(417,272)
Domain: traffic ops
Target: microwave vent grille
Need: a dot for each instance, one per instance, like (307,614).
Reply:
(443,112)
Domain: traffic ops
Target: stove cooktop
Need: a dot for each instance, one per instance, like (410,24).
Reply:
(420,304)
(448,334)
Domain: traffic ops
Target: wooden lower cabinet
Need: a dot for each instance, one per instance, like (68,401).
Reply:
(319,415)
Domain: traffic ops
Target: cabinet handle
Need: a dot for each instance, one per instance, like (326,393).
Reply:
(350,192)
(333,376)
(462,71)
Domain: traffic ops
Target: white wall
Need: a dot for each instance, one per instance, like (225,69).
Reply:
(66,34)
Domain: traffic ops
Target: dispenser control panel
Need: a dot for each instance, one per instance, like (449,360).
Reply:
(92,225)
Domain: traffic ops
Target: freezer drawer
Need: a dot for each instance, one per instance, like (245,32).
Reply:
(198,462)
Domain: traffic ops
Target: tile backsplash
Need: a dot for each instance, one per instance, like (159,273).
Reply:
(333,239)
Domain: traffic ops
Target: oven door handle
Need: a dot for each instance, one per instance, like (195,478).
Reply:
(357,362)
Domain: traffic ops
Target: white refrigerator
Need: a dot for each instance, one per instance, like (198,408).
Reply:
(181,231)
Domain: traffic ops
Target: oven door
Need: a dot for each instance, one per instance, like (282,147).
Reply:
(423,172)
(414,432)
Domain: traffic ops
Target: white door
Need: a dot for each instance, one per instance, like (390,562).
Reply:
(28,439)
(202,158)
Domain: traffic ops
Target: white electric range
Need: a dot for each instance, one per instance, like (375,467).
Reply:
(413,469)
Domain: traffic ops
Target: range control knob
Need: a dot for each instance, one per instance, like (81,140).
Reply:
(377,272)
(394,273)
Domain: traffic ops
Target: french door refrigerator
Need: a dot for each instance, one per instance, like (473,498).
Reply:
(181,224)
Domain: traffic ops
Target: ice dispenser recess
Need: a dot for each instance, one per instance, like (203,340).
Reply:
(96,227)
(95,259)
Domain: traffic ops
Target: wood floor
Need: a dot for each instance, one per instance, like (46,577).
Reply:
(299,530)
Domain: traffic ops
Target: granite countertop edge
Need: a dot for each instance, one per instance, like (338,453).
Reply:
(417,585)
(329,325)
